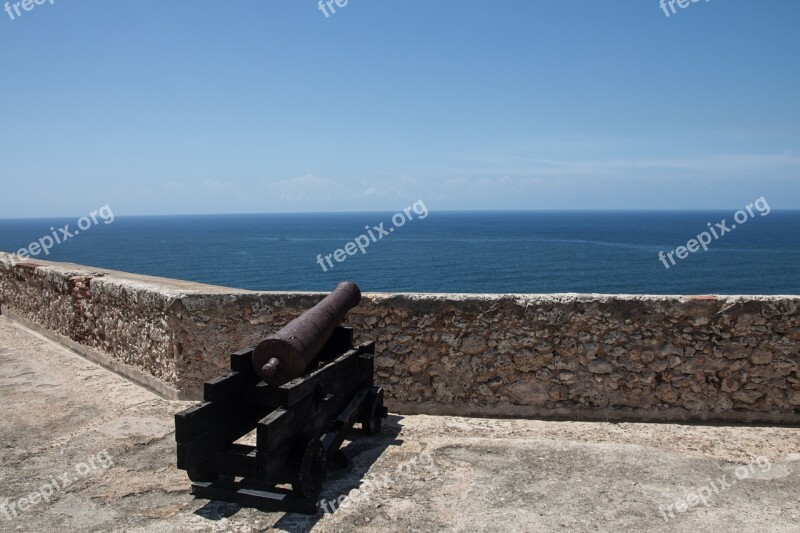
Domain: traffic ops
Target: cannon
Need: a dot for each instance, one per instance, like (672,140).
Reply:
(283,356)
(302,390)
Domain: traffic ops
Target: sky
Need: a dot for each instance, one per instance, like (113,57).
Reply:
(265,106)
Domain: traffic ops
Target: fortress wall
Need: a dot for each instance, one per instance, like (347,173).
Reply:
(728,358)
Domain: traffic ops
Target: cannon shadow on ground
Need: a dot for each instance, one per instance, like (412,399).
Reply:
(362,452)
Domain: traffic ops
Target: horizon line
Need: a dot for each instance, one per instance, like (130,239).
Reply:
(599,210)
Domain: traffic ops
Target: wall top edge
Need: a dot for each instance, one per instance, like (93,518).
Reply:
(182,288)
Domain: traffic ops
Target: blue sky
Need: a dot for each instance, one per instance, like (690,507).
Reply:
(268,106)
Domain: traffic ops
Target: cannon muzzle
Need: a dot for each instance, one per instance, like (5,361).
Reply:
(285,355)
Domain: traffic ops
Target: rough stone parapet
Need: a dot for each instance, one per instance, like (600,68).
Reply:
(558,355)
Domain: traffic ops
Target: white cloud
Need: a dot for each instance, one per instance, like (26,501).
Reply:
(304,189)
(216,186)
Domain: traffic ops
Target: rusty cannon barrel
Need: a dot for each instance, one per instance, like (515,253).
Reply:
(283,356)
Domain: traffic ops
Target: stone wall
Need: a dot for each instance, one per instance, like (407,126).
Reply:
(573,356)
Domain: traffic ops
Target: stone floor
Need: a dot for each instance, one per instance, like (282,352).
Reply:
(99,452)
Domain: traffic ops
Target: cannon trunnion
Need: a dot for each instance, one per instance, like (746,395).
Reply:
(299,425)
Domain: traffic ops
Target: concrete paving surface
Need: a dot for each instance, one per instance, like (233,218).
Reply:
(82,449)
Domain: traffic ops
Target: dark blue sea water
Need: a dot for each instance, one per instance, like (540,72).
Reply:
(499,252)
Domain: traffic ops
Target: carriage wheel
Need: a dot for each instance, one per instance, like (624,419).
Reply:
(373,411)
(313,469)
(201,474)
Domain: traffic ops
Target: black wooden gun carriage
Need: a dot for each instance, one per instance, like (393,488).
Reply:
(302,389)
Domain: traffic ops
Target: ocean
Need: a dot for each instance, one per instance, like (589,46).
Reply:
(473,252)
